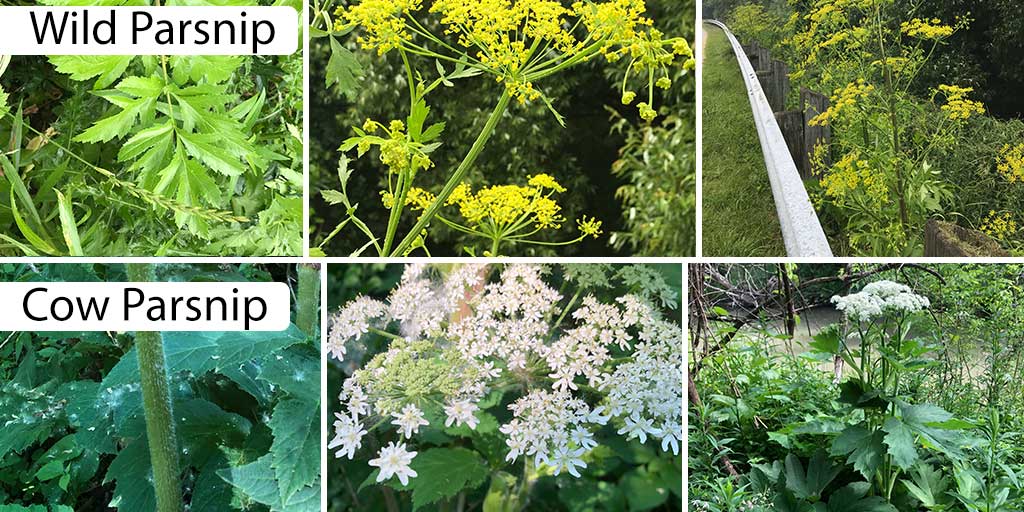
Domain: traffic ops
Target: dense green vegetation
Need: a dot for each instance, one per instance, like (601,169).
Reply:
(739,216)
(151,155)
(239,422)
(901,392)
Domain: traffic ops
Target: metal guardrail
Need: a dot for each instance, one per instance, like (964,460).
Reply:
(801,230)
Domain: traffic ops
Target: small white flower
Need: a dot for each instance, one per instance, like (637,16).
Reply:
(567,460)
(583,437)
(460,412)
(348,434)
(393,460)
(409,420)
(637,428)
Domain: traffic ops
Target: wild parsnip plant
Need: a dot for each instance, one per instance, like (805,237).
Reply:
(489,373)
(166,422)
(144,155)
(518,44)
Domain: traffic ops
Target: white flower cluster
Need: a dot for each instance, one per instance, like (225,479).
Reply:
(551,427)
(879,297)
(461,338)
(351,322)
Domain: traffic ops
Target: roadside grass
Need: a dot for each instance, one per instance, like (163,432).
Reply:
(739,212)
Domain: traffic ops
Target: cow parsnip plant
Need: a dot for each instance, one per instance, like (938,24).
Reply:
(236,413)
(172,155)
(518,44)
(488,373)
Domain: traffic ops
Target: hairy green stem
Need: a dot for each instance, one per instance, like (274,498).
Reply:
(457,176)
(156,403)
(307,311)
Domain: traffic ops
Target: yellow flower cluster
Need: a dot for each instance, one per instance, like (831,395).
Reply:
(382,20)
(852,173)
(397,152)
(842,100)
(1011,163)
(926,29)
(506,205)
(618,22)
(589,227)
(999,226)
(957,106)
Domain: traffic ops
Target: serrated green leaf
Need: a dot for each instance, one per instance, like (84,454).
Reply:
(212,69)
(443,473)
(209,149)
(863,447)
(295,371)
(200,352)
(83,67)
(811,484)
(900,440)
(343,69)
(132,473)
(296,448)
(119,124)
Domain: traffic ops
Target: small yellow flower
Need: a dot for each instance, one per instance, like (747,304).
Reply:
(589,227)
(396,127)
(999,226)
(628,97)
(664,82)
(1010,163)
(957,106)
(370,126)
(646,112)
(926,29)
(545,181)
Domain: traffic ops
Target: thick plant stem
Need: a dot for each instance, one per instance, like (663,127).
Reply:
(156,403)
(307,316)
(460,172)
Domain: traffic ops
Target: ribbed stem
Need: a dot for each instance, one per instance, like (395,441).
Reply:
(156,402)
(307,311)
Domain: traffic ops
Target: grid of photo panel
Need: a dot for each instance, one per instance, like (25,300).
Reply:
(519,255)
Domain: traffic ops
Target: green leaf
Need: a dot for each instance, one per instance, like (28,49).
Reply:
(200,352)
(642,492)
(928,485)
(343,69)
(936,427)
(132,472)
(811,484)
(827,341)
(256,480)
(900,440)
(211,493)
(68,225)
(119,124)
(212,69)
(295,371)
(864,448)
(206,148)
(296,448)
(851,498)
(83,67)
(442,473)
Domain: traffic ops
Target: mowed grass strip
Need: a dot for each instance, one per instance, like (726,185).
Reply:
(739,212)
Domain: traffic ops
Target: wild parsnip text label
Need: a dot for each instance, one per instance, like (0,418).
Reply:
(168,30)
(85,306)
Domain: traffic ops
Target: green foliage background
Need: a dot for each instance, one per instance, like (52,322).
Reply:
(247,405)
(152,155)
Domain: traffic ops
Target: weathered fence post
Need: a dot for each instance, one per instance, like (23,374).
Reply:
(791,122)
(945,239)
(754,55)
(812,104)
